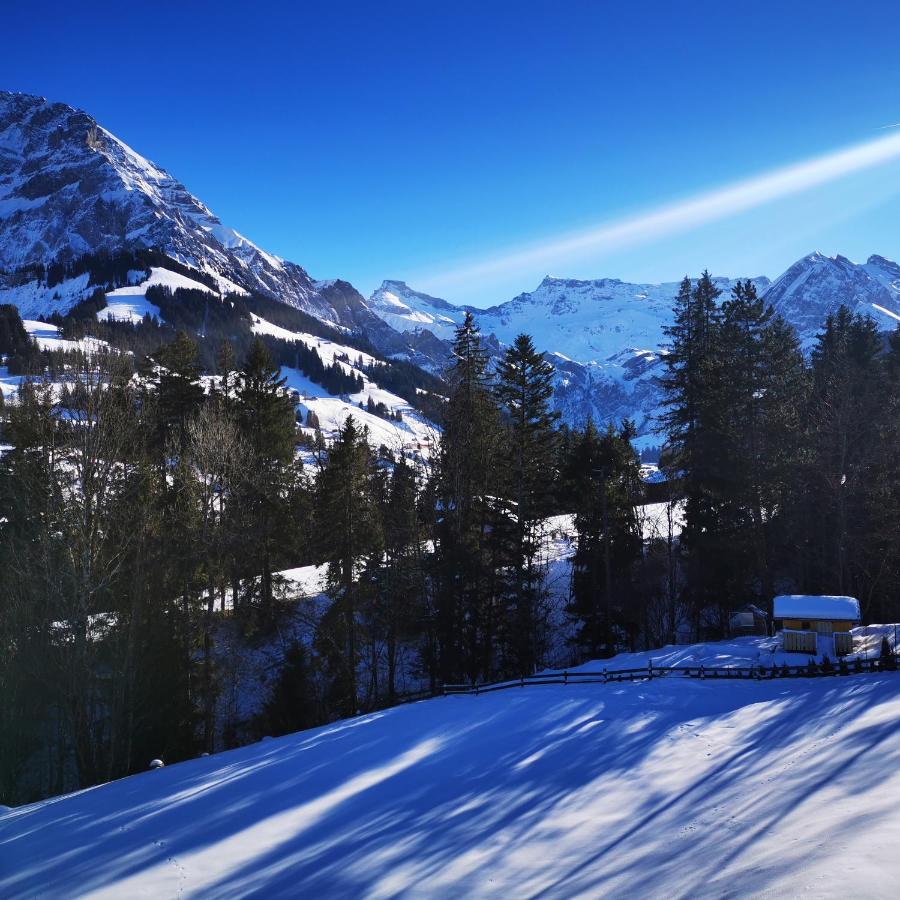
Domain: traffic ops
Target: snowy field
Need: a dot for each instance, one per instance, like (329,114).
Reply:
(660,789)
(47,337)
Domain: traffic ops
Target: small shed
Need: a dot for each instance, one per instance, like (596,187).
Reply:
(813,623)
(747,621)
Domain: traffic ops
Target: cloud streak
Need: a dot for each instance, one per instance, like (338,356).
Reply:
(674,218)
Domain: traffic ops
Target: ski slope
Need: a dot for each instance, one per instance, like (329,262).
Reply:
(672,788)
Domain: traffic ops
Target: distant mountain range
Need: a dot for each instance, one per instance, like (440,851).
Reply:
(605,336)
(68,188)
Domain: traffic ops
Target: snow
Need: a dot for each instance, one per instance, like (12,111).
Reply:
(130,304)
(657,789)
(34,298)
(333,411)
(327,350)
(807,606)
(47,337)
(887,312)
(654,519)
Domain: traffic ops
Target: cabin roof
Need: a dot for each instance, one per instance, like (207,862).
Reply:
(751,608)
(814,606)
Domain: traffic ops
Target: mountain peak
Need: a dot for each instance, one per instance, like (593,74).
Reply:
(881,261)
(816,285)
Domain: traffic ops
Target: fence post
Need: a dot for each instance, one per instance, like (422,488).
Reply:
(702,672)
(566,676)
(650,668)
(521,681)
(605,676)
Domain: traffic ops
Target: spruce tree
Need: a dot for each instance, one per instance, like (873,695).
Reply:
(349,533)
(603,473)
(266,420)
(467,488)
(693,408)
(526,461)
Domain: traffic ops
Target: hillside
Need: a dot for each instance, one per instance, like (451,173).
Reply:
(669,788)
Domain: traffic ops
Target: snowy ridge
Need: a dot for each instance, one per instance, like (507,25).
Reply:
(408,310)
(815,286)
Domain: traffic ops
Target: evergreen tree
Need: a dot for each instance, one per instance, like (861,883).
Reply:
(692,420)
(265,417)
(349,531)
(761,399)
(466,486)
(603,470)
(849,477)
(526,461)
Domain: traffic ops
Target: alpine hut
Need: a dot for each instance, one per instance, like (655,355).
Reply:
(814,624)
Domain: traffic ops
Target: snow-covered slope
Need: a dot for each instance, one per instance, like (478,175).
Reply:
(674,788)
(414,433)
(130,304)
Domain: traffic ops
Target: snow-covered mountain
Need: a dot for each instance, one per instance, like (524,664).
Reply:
(606,336)
(411,311)
(69,187)
(815,286)
(603,336)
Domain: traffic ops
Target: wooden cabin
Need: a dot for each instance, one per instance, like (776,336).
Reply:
(749,620)
(816,624)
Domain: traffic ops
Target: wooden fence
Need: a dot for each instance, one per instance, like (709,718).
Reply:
(756,673)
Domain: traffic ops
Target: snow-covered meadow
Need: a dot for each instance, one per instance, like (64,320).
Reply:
(670,788)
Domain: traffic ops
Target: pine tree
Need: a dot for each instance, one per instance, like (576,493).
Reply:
(762,396)
(603,473)
(400,595)
(849,476)
(466,486)
(265,417)
(526,461)
(179,392)
(349,532)
(692,420)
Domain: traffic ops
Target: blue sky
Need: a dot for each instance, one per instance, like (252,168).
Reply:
(424,140)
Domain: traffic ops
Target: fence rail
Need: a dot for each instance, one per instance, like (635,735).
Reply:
(755,673)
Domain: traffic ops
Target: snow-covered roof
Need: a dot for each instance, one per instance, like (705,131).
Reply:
(811,606)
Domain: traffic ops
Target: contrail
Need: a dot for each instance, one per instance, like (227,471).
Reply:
(678,217)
